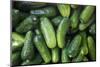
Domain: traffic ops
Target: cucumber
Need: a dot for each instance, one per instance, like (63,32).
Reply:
(48,32)
(64,54)
(91,48)
(47,12)
(55,54)
(42,47)
(27,24)
(61,32)
(56,21)
(64,9)
(36,60)
(28,48)
(15,58)
(87,14)
(74,46)
(92,29)
(84,47)
(17,41)
(74,19)
(74,6)
(85,59)
(83,26)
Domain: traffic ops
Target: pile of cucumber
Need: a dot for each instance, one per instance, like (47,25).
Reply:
(45,33)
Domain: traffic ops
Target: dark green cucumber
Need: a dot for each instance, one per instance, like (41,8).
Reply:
(64,54)
(26,6)
(75,19)
(48,32)
(85,59)
(17,41)
(74,46)
(28,48)
(41,47)
(83,26)
(15,58)
(56,21)
(47,11)
(74,6)
(55,54)
(84,47)
(91,48)
(87,14)
(92,29)
(36,60)
(61,32)
(28,24)
(64,9)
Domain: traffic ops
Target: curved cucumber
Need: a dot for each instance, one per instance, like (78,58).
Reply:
(41,47)
(61,32)
(48,32)
(74,46)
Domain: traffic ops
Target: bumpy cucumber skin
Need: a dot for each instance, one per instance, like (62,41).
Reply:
(91,48)
(64,54)
(55,54)
(74,46)
(64,9)
(42,48)
(86,14)
(28,48)
(48,12)
(16,58)
(56,21)
(48,32)
(61,32)
(75,19)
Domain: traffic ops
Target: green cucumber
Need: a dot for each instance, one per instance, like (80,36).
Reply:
(74,6)
(16,58)
(74,46)
(87,14)
(55,54)
(74,19)
(92,29)
(85,59)
(36,60)
(91,48)
(27,24)
(64,9)
(61,32)
(42,47)
(48,32)
(64,54)
(56,21)
(28,48)
(47,11)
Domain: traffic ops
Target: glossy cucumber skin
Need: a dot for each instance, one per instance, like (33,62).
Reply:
(48,32)
(16,58)
(64,54)
(91,48)
(55,54)
(28,48)
(17,41)
(74,46)
(86,14)
(75,19)
(48,12)
(64,9)
(56,21)
(27,24)
(36,60)
(42,48)
(61,32)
